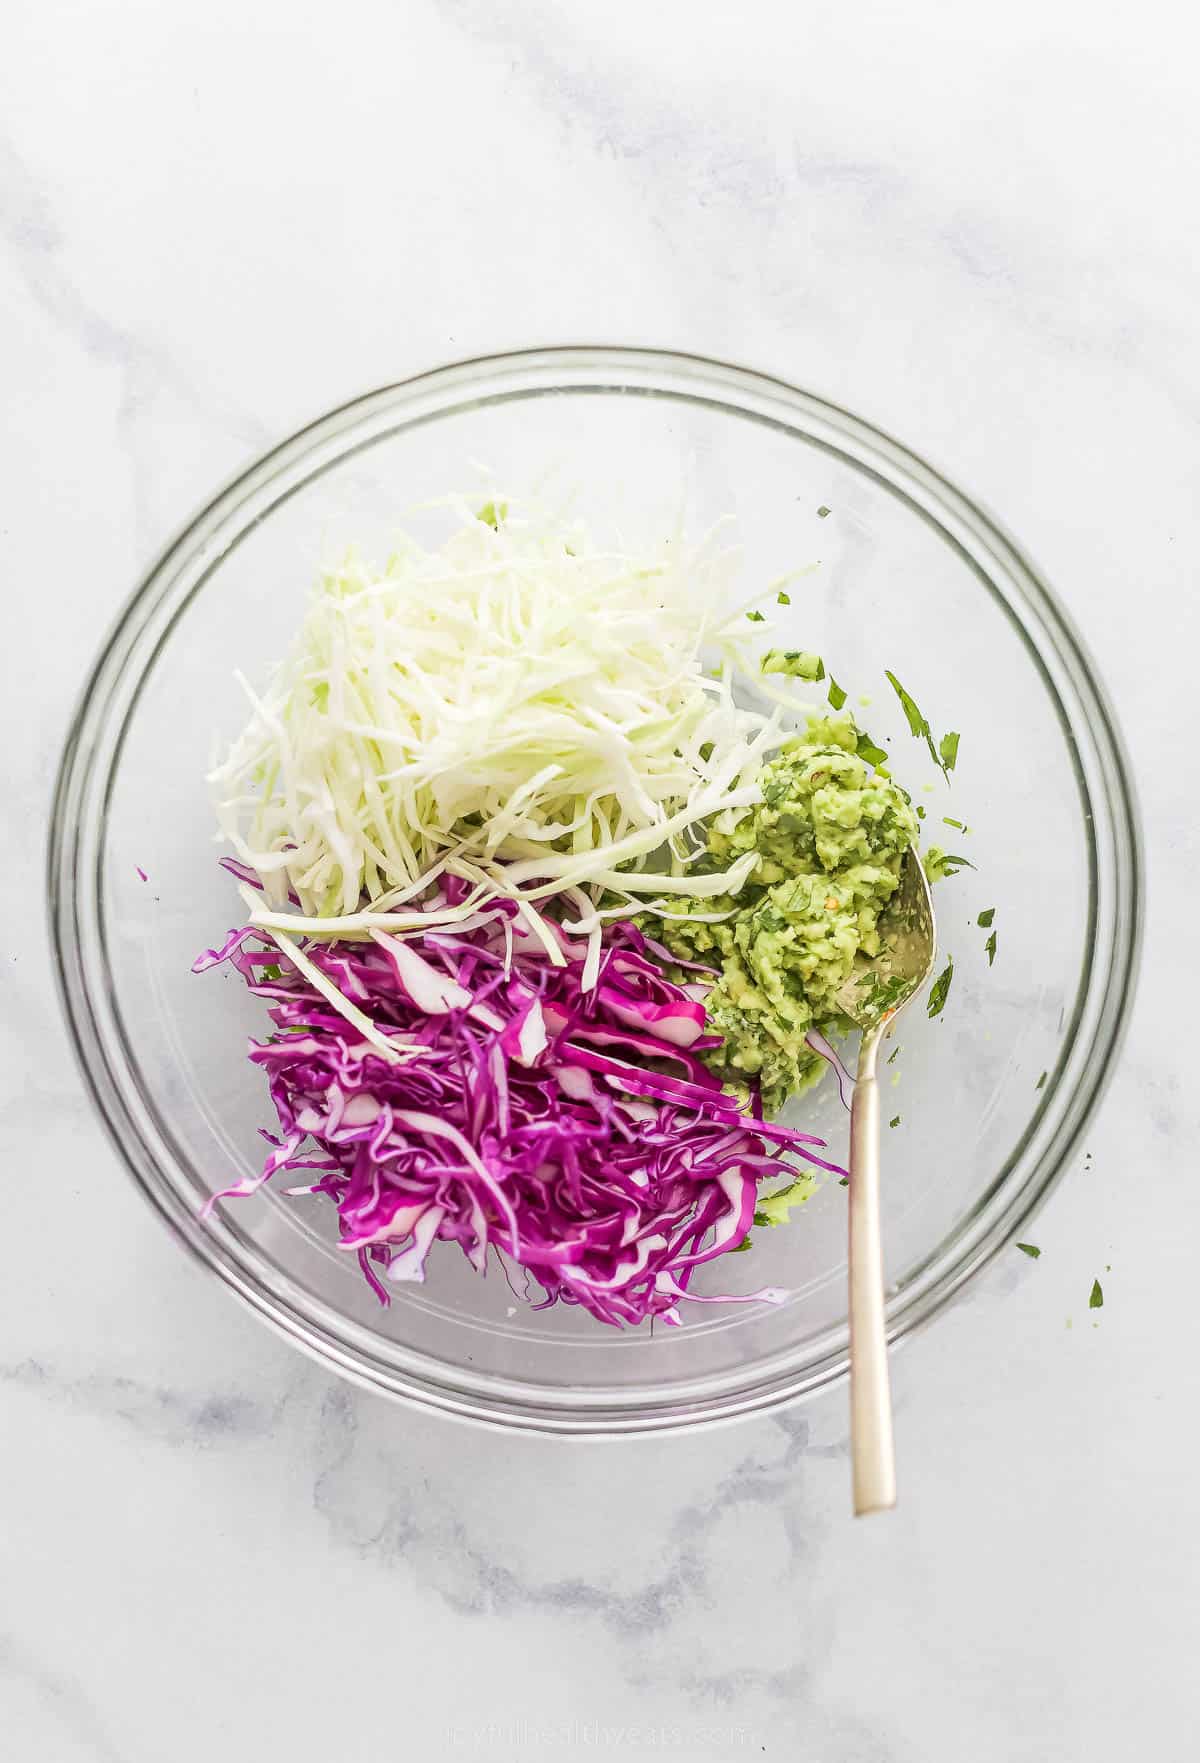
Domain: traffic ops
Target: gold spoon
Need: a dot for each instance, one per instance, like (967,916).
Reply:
(873,997)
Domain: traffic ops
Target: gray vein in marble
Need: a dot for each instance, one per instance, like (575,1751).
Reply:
(796,1427)
(61,1697)
(38,249)
(170,1416)
(416,1526)
(695,165)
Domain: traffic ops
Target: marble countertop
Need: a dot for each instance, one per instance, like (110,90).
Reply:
(976,227)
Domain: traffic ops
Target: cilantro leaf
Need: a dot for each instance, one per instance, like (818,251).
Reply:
(755,617)
(990,946)
(985,918)
(836,695)
(894,1121)
(945,754)
(783,599)
(868,751)
(1096,1301)
(920,812)
(918,724)
(941,989)
(939,863)
(891,1055)
(823,513)
(492,513)
(1041,1082)
(1030,1249)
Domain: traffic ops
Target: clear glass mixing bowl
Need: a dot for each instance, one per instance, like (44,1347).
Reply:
(912,577)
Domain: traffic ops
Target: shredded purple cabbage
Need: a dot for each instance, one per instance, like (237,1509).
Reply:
(578,1133)
(845,1083)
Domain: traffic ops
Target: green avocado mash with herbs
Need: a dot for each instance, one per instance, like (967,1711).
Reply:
(830,833)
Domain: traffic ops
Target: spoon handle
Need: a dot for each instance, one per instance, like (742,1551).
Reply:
(870,1391)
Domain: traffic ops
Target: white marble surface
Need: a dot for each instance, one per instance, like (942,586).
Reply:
(975,225)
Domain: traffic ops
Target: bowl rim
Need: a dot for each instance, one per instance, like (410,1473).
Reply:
(1111,823)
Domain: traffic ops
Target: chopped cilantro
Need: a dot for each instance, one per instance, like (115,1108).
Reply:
(866,749)
(918,725)
(939,863)
(492,513)
(755,617)
(823,513)
(843,1181)
(891,1055)
(1030,1249)
(1041,1082)
(944,755)
(271,972)
(985,918)
(956,824)
(916,722)
(941,989)
(920,812)
(1096,1301)
(990,946)
(740,1248)
(886,993)
(894,1121)
(784,599)
(836,695)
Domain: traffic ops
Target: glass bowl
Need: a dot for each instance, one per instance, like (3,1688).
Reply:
(992,1095)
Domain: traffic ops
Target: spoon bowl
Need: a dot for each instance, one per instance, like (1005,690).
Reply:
(880,986)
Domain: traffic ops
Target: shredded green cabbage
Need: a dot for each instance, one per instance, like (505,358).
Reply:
(518,708)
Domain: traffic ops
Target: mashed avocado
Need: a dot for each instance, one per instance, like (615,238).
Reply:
(830,833)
